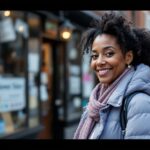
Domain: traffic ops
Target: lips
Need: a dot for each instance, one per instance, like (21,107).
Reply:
(103,72)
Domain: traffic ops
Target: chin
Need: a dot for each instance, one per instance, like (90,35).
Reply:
(105,81)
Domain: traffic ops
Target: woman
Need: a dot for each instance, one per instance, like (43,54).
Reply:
(120,58)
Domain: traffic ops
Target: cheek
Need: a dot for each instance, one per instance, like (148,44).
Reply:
(117,62)
(93,65)
(119,67)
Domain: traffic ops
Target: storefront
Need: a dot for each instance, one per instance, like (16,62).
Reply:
(44,82)
(73,79)
(19,69)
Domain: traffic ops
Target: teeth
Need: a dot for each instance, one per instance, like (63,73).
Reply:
(103,72)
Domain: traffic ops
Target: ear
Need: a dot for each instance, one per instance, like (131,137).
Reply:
(129,57)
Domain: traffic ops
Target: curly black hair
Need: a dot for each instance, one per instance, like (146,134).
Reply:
(143,54)
(128,36)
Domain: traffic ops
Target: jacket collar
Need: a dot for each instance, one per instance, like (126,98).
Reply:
(117,96)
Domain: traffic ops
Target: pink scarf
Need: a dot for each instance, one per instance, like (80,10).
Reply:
(97,101)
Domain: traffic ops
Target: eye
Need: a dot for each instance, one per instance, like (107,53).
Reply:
(109,54)
(94,56)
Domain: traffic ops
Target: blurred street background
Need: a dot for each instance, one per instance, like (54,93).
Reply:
(45,81)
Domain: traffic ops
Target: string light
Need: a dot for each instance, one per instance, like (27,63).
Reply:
(66,30)
(6,13)
(66,35)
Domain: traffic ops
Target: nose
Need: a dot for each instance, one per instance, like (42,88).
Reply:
(101,60)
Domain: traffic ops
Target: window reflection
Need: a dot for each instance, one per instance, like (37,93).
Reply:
(19,62)
(12,75)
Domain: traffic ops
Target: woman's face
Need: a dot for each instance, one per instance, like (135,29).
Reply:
(108,60)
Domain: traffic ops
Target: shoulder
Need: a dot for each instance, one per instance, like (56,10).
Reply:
(140,103)
(140,97)
(137,116)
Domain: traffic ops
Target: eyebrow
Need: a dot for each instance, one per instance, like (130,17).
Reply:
(108,47)
(94,51)
(105,48)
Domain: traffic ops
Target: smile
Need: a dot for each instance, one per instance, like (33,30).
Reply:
(103,72)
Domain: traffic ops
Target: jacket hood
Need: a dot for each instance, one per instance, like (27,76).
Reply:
(137,80)
(140,80)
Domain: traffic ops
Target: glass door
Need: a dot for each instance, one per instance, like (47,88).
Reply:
(13,111)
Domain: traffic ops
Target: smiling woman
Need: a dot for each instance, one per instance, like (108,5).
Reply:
(120,58)
(108,60)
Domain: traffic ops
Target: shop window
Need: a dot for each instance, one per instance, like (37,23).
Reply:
(34,68)
(13,111)
(80,81)
(19,63)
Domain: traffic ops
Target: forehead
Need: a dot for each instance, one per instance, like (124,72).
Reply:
(105,40)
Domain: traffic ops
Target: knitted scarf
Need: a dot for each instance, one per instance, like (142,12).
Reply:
(98,99)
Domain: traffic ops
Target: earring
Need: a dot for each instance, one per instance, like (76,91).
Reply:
(129,66)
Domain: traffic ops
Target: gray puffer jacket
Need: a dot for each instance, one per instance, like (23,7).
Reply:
(138,116)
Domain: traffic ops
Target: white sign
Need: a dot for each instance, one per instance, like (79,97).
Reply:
(22,27)
(74,85)
(44,78)
(74,70)
(44,93)
(33,62)
(7,31)
(77,102)
(12,94)
(72,53)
